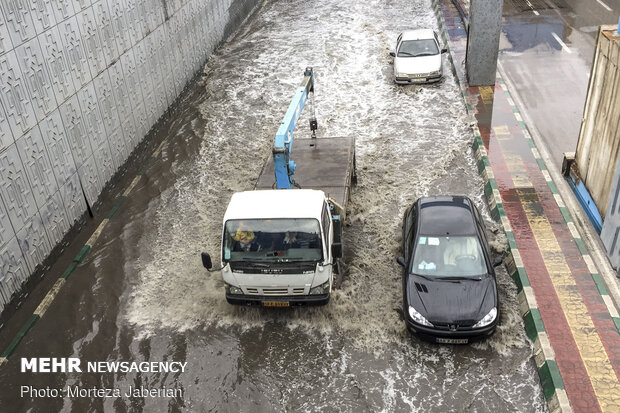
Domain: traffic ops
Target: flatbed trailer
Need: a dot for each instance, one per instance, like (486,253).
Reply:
(327,164)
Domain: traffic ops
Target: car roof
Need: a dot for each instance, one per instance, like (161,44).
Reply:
(446,215)
(277,203)
(418,34)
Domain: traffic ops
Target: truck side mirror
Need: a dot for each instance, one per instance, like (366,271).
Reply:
(393,54)
(337,250)
(444,50)
(401,261)
(497,261)
(206,260)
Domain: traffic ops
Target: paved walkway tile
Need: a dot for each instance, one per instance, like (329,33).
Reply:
(576,314)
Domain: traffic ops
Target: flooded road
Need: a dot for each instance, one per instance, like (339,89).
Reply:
(142,294)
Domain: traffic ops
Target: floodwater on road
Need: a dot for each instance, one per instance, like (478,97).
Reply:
(143,295)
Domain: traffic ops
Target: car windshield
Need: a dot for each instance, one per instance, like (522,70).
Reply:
(448,256)
(272,240)
(421,47)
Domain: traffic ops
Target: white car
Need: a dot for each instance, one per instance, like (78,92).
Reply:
(418,57)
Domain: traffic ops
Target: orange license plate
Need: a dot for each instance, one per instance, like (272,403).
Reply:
(276,304)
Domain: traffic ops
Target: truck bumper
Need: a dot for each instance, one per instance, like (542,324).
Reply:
(278,301)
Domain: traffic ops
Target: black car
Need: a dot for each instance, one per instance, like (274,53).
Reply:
(449,286)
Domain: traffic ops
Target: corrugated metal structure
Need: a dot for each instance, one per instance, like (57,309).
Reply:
(598,147)
(81,83)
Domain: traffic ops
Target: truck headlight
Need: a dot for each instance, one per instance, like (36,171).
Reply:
(231,289)
(487,319)
(320,289)
(418,318)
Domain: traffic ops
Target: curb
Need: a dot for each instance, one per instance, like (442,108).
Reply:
(544,356)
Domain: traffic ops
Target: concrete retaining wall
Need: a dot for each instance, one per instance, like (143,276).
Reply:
(598,147)
(81,83)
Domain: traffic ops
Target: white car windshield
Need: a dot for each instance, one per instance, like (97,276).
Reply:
(272,240)
(448,256)
(421,47)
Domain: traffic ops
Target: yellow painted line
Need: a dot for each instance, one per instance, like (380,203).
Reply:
(49,297)
(518,117)
(156,153)
(546,175)
(93,238)
(502,133)
(506,223)
(518,173)
(558,200)
(526,134)
(597,364)
(132,185)
(487,94)
(535,153)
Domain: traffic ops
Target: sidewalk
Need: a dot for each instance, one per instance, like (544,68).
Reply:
(567,311)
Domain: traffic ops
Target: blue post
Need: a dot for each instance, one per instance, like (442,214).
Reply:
(618,28)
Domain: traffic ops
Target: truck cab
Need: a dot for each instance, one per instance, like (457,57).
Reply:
(277,248)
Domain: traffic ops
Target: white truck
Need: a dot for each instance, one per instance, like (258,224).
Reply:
(281,247)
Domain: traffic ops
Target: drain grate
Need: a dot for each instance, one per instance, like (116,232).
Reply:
(525,5)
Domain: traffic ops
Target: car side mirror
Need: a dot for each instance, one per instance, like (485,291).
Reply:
(206,260)
(393,54)
(401,261)
(497,261)
(444,50)
(337,250)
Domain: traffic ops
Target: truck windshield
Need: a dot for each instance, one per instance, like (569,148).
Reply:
(272,240)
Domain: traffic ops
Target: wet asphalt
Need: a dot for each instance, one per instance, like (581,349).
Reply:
(142,295)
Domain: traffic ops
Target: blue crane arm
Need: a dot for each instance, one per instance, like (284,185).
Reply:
(283,166)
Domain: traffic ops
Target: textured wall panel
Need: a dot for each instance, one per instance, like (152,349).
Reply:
(79,5)
(6,136)
(14,95)
(5,38)
(91,115)
(154,14)
(15,188)
(63,9)
(107,104)
(18,20)
(118,147)
(58,64)
(141,19)
(37,78)
(55,219)
(92,43)
(106,31)
(73,199)
(120,22)
(104,161)
(123,103)
(13,270)
(81,83)
(37,166)
(75,128)
(5,223)
(74,47)
(58,149)
(33,242)
(43,14)
(89,179)
(167,55)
